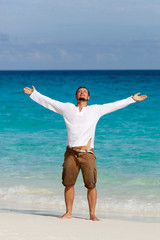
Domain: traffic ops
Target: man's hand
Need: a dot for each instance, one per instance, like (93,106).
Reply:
(139,98)
(29,90)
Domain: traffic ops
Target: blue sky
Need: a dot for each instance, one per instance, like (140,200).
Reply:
(79,34)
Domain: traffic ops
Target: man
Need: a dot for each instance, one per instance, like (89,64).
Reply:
(81,121)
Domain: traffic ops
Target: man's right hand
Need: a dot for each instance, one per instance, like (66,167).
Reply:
(29,90)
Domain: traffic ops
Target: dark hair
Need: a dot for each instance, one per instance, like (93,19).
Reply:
(85,88)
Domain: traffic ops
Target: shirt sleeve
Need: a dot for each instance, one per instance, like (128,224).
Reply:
(111,107)
(47,102)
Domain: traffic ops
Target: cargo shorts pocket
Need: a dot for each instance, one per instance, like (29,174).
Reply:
(95,175)
(62,172)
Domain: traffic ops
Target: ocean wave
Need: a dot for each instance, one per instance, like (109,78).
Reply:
(52,200)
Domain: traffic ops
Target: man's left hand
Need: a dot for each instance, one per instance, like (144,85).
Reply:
(139,98)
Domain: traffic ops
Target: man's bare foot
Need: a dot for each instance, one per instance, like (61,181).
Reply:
(66,215)
(94,218)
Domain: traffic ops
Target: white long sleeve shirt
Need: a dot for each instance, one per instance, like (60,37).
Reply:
(80,125)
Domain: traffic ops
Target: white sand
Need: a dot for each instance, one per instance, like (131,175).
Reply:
(18,226)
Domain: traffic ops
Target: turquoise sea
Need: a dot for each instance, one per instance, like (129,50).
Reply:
(127,144)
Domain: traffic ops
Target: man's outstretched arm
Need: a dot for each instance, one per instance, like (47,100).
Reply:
(46,102)
(111,107)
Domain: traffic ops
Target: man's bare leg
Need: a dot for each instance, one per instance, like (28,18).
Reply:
(69,197)
(92,197)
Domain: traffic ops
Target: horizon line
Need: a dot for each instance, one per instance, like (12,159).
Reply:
(80,69)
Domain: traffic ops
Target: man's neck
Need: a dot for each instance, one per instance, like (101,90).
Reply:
(81,104)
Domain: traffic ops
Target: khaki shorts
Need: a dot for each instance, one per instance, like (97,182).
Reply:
(73,162)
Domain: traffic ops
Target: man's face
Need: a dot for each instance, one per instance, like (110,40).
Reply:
(82,94)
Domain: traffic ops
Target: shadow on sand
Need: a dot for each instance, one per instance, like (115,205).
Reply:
(36,212)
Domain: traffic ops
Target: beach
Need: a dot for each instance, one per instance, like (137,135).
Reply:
(20,226)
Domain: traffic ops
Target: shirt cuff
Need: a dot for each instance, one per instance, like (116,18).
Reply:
(132,100)
(33,93)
